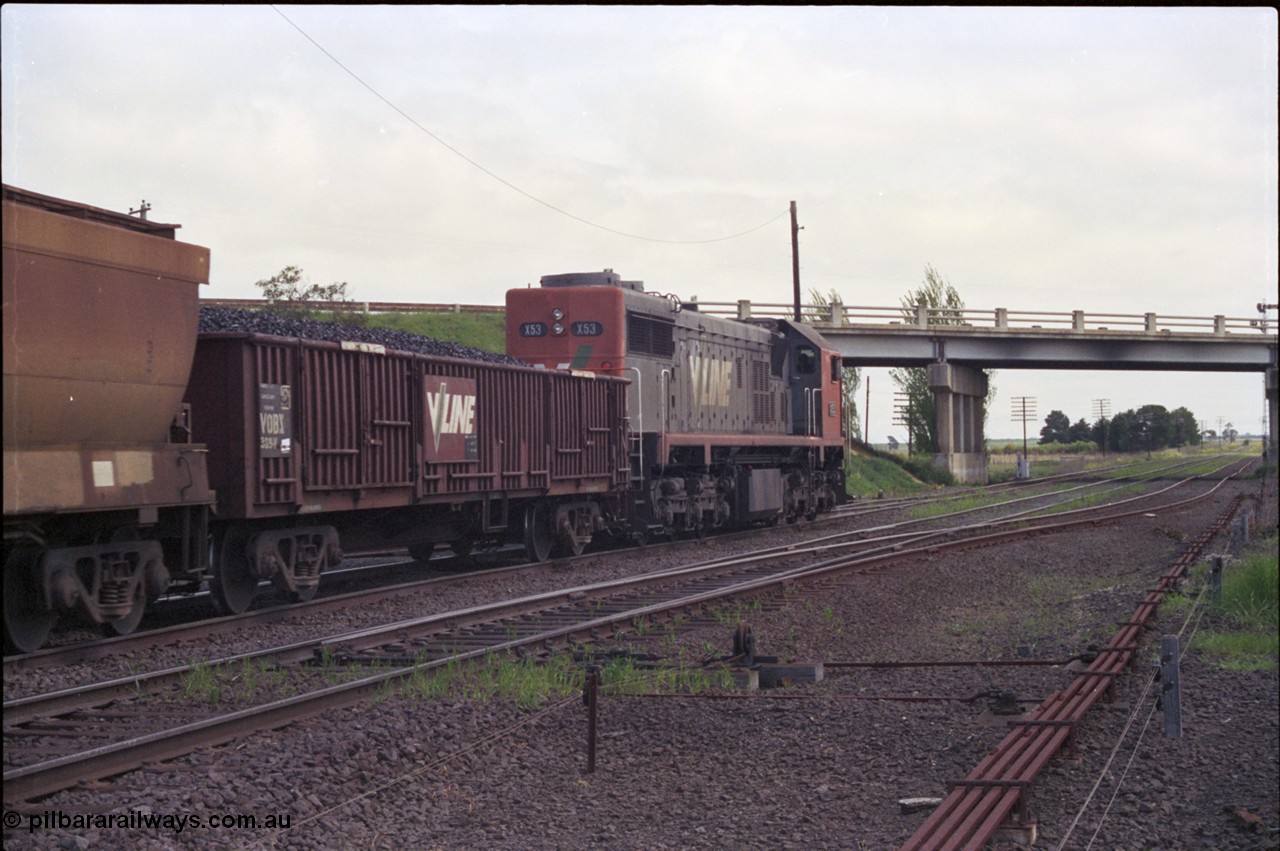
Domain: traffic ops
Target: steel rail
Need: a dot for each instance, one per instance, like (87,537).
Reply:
(986,799)
(46,777)
(104,648)
(23,709)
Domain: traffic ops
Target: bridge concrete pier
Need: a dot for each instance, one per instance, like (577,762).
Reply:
(1273,413)
(958,396)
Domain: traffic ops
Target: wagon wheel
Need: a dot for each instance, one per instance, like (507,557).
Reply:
(305,593)
(538,538)
(26,620)
(127,624)
(421,552)
(232,586)
(568,544)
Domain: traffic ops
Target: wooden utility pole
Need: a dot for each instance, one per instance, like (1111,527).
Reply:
(866,415)
(795,259)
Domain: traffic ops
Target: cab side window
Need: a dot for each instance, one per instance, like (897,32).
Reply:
(806,360)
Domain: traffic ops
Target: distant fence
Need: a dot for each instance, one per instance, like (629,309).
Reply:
(363,306)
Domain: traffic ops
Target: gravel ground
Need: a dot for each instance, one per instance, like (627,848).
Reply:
(805,766)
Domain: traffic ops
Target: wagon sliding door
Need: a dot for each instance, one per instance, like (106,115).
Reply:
(357,430)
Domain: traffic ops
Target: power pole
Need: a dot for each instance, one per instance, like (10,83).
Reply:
(795,259)
(903,409)
(866,414)
(1102,410)
(1024,409)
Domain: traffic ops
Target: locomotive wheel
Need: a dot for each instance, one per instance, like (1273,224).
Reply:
(538,538)
(232,586)
(127,624)
(421,552)
(26,621)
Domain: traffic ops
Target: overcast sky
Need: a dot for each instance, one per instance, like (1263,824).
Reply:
(1106,160)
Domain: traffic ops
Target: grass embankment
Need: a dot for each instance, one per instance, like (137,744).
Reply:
(1241,630)
(485,331)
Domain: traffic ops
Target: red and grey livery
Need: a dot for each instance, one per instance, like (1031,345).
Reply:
(730,422)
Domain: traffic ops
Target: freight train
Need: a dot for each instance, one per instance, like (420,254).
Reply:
(144,456)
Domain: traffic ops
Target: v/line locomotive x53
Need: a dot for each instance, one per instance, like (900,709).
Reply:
(142,457)
(728,423)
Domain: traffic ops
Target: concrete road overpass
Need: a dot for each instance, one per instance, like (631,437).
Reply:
(956,345)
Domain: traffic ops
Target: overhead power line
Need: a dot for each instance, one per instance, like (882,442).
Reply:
(498,177)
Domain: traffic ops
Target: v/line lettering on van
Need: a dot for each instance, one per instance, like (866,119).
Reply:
(451,413)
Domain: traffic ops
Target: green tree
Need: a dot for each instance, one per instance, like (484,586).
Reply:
(1057,428)
(1081,432)
(945,308)
(1185,429)
(1158,426)
(850,376)
(288,295)
(1124,432)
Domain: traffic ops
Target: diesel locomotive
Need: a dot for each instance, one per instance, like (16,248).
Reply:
(142,456)
(728,423)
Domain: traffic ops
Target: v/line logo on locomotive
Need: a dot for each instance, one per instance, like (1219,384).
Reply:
(711,377)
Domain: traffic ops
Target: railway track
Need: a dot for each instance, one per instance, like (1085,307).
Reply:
(530,625)
(996,497)
(995,794)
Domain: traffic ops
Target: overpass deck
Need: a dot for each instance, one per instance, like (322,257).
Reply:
(1007,339)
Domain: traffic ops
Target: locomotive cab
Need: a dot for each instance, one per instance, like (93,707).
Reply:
(813,375)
